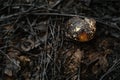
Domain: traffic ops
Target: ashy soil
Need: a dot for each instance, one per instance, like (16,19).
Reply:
(34,45)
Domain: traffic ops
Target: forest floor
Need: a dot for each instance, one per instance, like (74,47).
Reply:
(34,46)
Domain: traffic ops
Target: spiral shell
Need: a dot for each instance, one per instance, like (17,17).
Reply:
(81,29)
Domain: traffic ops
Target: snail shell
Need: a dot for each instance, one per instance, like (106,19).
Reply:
(81,29)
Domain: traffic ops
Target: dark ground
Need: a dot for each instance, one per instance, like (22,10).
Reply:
(34,46)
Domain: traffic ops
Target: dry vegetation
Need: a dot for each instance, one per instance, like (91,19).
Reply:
(34,46)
